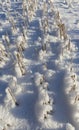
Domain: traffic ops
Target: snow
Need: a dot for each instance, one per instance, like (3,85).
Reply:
(69,127)
(39,71)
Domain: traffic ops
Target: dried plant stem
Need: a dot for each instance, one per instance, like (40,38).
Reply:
(76,98)
(44,47)
(13,98)
(7,39)
(73,77)
(62,31)
(20,63)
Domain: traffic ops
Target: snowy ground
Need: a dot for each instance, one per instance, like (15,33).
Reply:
(39,71)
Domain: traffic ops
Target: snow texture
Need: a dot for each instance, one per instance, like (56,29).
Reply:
(39,65)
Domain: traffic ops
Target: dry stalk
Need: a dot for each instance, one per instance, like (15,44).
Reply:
(42,79)
(11,20)
(13,98)
(20,50)
(24,8)
(20,63)
(31,11)
(73,88)
(68,46)
(57,16)
(73,77)
(44,47)
(44,8)
(71,69)
(7,39)
(51,3)
(3,52)
(76,99)
(58,19)
(22,45)
(35,4)
(62,31)
(45,25)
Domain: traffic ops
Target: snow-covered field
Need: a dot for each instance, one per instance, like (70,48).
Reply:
(39,70)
